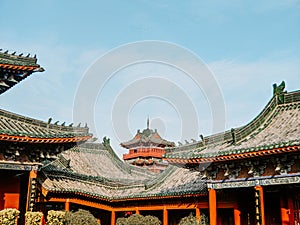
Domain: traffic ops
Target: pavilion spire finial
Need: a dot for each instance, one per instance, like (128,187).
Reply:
(148,122)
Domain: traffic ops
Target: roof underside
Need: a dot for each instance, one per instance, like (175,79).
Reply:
(14,68)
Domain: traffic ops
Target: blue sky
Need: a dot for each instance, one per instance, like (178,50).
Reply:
(248,45)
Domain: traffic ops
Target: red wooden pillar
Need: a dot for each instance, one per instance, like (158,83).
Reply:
(67,205)
(291,210)
(31,187)
(198,215)
(113,218)
(237,216)
(212,195)
(262,203)
(165,216)
(137,211)
(285,219)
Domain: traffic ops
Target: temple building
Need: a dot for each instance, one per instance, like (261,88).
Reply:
(146,149)
(246,175)
(256,166)
(26,143)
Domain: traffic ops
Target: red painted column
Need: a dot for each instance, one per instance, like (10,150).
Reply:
(32,175)
(165,216)
(67,205)
(198,215)
(285,219)
(212,195)
(262,204)
(113,218)
(137,211)
(291,210)
(237,216)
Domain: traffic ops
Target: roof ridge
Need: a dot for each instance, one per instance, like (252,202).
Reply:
(160,178)
(289,98)
(19,59)
(116,160)
(40,123)
(268,113)
(98,180)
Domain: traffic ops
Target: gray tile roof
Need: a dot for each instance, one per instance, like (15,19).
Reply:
(17,59)
(147,137)
(277,125)
(15,67)
(17,125)
(93,170)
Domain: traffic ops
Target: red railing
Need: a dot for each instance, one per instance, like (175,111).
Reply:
(144,152)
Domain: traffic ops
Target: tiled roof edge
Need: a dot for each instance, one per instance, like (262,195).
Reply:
(19,59)
(243,131)
(42,124)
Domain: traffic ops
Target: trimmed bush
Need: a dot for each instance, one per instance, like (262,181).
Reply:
(135,219)
(81,217)
(138,220)
(121,221)
(9,216)
(56,217)
(33,218)
(151,220)
(189,220)
(192,220)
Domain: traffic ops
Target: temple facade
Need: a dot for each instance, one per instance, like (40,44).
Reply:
(257,165)
(246,175)
(146,149)
(26,143)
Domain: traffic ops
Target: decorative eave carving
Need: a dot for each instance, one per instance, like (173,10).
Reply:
(257,181)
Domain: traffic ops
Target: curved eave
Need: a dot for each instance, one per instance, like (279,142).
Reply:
(230,157)
(19,67)
(153,197)
(46,192)
(291,99)
(27,139)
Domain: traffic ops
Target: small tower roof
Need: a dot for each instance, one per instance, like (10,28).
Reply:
(147,137)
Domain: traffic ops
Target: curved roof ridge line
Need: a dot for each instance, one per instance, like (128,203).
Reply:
(160,178)
(40,123)
(245,130)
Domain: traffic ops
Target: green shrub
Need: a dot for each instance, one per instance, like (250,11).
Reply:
(81,217)
(121,221)
(56,217)
(189,220)
(138,220)
(33,218)
(192,220)
(135,219)
(151,220)
(9,216)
